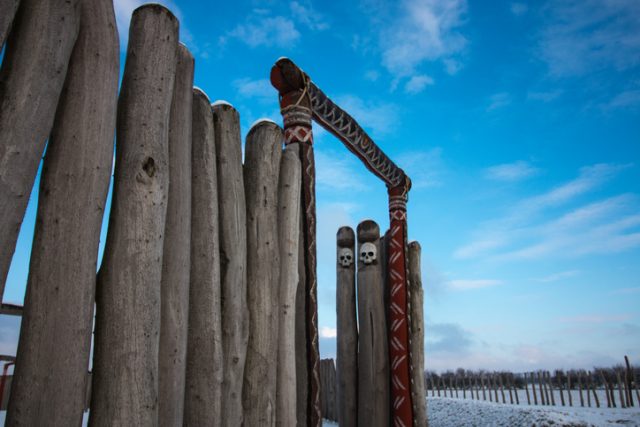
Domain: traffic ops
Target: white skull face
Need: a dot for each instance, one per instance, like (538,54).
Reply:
(345,257)
(368,253)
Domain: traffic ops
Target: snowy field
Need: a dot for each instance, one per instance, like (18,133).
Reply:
(451,412)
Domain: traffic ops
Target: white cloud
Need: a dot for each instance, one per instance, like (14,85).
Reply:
(261,29)
(425,168)
(542,226)
(306,15)
(260,89)
(596,318)
(372,75)
(544,96)
(452,66)
(582,36)
(423,30)
(337,172)
(469,284)
(417,84)
(379,118)
(327,332)
(519,9)
(499,100)
(625,99)
(516,171)
(558,276)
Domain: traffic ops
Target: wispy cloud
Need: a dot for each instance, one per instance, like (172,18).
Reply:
(417,84)
(558,276)
(542,226)
(511,172)
(337,172)
(498,100)
(546,96)
(519,9)
(426,168)
(327,332)
(260,89)
(582,36)
(626,291)
(262,29)
(449,338)
(596,318)
(379,118)
(304,13)
(625,99)
(469,284)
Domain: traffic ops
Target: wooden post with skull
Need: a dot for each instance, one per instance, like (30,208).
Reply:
(347,363)
(373,358)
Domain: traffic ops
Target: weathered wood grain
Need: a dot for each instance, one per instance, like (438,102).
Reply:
(33,73)
(203,389)
(53,354)
(263,151)
(8,9)
(176,259)
(233,259)
(373,356)
(417,335)
(347,326)
(289,211)
(125,370)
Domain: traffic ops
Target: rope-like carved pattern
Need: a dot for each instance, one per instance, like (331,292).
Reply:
(399,315)
(344,127)
(297,128)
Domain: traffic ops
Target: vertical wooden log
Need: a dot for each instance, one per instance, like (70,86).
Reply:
(289,210)
(438,386)
(569,389)
(302,374)
(620,393)
(373,359)
(533,388)
(323,386)
(587,384)
(550,387)
(606,388)
(128,291)
(263,151)
(560,387)
(501,387)
(33,73)
(543,401)
(627,381)
(233,259)
(203,384)
(488,388)
(8,9)
(580,388)
(484,396)
(417,334)
(176,259)
(506,380)
(595,395)
(526,387)
(515,388)
(494,384)
(464,388)
(50,378)
(347,370)
(334,415)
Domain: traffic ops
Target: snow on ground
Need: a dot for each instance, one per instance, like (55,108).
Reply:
(451,412)
(446,411)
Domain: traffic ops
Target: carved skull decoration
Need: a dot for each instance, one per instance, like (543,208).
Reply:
(368,253)
(345,257)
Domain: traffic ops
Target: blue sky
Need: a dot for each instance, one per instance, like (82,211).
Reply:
(519,124)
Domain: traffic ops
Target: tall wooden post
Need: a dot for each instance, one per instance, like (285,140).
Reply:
(176,259)
(288,241)
(295,106)
(417,335)
(55,337)
(33,73)
(233,259)
(263,151)
(204,371)
(347,369)
(125,370)
(373,359)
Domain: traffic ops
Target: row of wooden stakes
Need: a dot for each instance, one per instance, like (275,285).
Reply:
(196,297)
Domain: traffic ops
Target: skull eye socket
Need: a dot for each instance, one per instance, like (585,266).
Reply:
(370,253)
(348,257)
